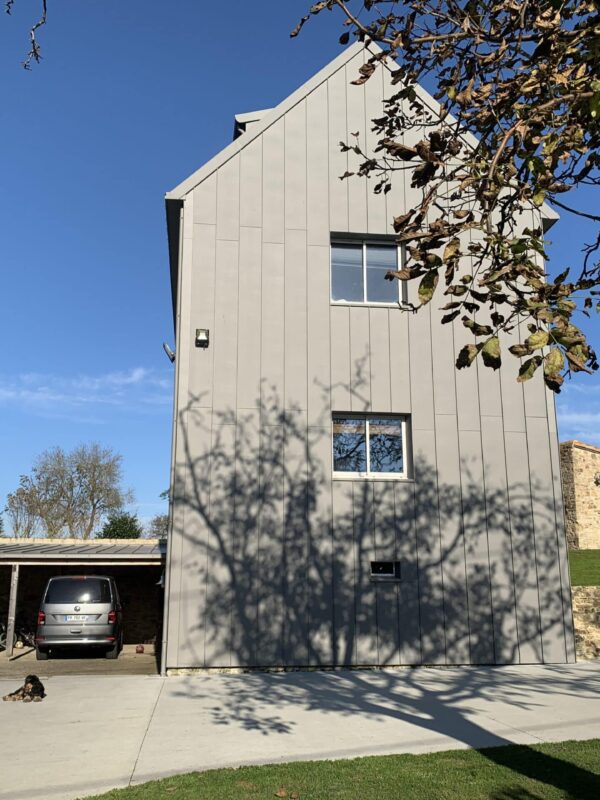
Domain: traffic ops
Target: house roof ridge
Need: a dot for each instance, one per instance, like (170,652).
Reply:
(270,116)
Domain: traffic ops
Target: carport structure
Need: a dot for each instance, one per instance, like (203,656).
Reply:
(136,564)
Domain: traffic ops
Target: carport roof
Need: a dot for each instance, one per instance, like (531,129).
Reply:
(76,551)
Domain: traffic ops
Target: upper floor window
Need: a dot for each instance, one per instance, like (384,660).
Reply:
(369,445)
(358,272)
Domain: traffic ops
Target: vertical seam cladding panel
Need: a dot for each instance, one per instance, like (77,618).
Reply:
(284,174)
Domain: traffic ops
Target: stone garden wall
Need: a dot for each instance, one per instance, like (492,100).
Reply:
(586,614)
(580,472)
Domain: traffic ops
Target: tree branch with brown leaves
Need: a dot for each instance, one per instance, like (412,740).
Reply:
(522,78)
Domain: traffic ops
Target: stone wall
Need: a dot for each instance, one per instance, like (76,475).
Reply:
(580,466)
(586,615)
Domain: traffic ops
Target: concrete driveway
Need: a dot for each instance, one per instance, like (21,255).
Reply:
(93,733)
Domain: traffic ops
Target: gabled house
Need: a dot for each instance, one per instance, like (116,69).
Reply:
(341,495)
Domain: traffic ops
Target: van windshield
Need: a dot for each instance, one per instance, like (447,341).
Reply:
(78,590)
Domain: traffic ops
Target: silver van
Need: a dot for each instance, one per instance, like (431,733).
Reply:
(80,611)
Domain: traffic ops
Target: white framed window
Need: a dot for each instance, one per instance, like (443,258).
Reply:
(369,445)
(358,271)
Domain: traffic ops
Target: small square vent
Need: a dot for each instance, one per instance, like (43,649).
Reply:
(385,570)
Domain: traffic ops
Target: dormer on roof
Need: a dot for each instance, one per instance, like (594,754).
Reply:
(243,122)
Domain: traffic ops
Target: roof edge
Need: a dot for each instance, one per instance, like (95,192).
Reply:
(44,540)
(271,116)
(580,445)
(190,183)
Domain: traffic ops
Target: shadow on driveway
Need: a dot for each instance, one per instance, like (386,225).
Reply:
(476,707)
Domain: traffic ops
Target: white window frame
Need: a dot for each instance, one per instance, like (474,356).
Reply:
(402,293)
(368,475)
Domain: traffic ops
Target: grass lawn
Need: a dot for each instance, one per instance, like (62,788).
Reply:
(585,567)
(568,770)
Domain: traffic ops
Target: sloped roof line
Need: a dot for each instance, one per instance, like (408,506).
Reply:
(120,551)
(272,115)
(190,183)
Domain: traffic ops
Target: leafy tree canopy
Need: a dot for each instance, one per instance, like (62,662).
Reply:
(68,493)
(522,77)
(121,525)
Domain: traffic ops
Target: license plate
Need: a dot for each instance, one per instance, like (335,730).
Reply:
(76,618)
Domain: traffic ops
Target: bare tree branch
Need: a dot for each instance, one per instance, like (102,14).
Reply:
(34,53)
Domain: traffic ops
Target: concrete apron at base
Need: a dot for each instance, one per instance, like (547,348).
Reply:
(122,730)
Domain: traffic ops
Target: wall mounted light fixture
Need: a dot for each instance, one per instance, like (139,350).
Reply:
(170,353)
(201,337)
(597,479)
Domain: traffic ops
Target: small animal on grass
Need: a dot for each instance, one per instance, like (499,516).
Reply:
(31,691)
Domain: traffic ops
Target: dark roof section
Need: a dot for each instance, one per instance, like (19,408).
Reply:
(173,218)
(92,551)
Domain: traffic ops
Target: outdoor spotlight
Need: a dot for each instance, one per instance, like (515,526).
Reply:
(201,337)
(170,353)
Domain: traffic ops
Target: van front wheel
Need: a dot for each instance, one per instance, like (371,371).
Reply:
(41,655)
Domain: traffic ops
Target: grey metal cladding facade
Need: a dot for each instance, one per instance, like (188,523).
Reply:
(269,561)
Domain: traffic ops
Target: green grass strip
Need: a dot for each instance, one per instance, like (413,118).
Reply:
(585,567)
(567,770)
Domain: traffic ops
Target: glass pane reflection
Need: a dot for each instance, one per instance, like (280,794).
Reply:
(349,445)
(385,445)
(347,272)
(381,259)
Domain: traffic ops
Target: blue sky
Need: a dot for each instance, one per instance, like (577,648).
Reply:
(130,98)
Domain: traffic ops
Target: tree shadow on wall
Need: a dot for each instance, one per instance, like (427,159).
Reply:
(275,570)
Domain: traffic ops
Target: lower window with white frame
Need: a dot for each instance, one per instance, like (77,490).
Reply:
(369,445)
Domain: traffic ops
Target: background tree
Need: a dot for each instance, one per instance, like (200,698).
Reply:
(121,525)
(98,485)
(21,511)
(158,526)
(68,493)
(1,525)
(51,487)
(522,77)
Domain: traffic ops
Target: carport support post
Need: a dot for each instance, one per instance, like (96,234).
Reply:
(12,608)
